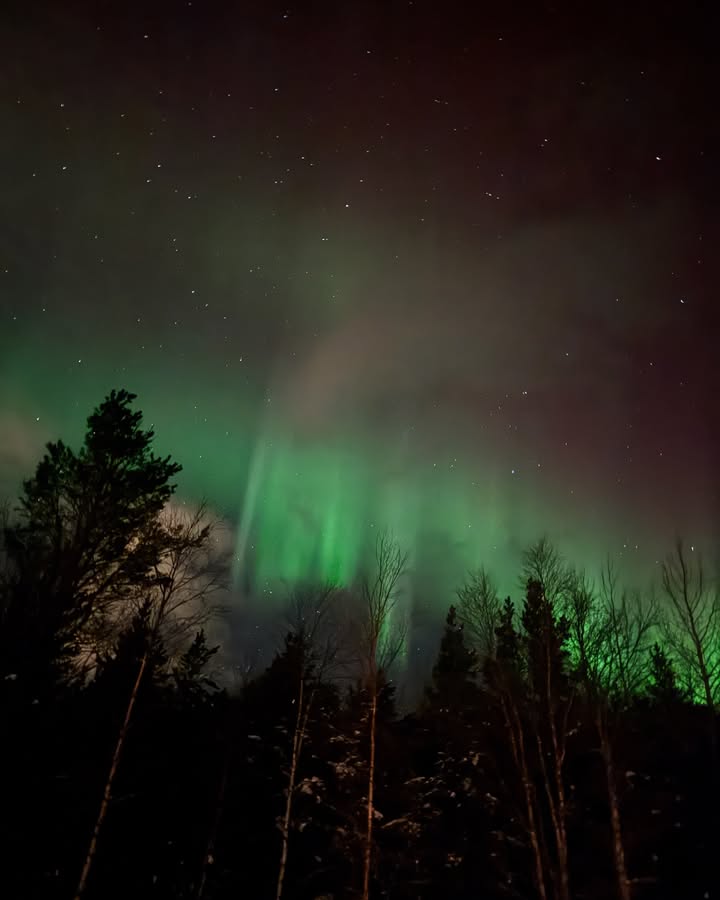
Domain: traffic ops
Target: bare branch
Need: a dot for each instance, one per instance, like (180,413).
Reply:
(479,607)
(383,635)
(692,626)
(629,623)
(543,563)
(382,640)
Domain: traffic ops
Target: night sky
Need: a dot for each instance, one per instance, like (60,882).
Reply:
(446,269)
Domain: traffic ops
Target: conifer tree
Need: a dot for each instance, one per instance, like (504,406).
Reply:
(192,681)
(454,668)
(86,537)
(663,689)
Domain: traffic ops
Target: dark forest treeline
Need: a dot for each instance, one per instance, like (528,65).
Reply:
(566,747)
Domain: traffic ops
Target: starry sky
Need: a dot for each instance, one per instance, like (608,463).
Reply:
(448,270)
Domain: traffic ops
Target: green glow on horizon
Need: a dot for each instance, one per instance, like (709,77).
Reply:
(310,507)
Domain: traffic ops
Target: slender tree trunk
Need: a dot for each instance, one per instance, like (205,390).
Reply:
(212,837)
(371,793)
(107,793)
(517,745)
(555,797)
(533,830)
(559,812)
(563,864)
(559,873)
(623,882)
(296,747)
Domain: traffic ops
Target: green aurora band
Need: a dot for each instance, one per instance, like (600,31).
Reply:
(306,506)
(310,510)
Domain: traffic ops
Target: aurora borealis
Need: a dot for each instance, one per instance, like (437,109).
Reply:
(370,266)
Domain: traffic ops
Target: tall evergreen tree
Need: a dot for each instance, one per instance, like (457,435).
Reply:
(87,534)
(507,640)
(454,668)
(663,688)
(193,683)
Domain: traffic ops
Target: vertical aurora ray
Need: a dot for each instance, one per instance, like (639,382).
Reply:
(304,518)
(309,508)
(248,511)
(312,512)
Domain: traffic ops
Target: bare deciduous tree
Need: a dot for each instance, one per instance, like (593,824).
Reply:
(490,623)
(479,608)
(551,696)
(536,697)
(611,633)
(316,644)
(504,671)
(543,563)
(187,578)
(692,626)
(692,632)
(381,641)
(630,620)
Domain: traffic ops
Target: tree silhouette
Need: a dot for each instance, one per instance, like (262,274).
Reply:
(692,625)
(479,609)
(311,649)
(505,677)
(381,641)
(608,634)
(86,537)
(545,642)
(454,668)
(559,744)
(169,604)
(663,689)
